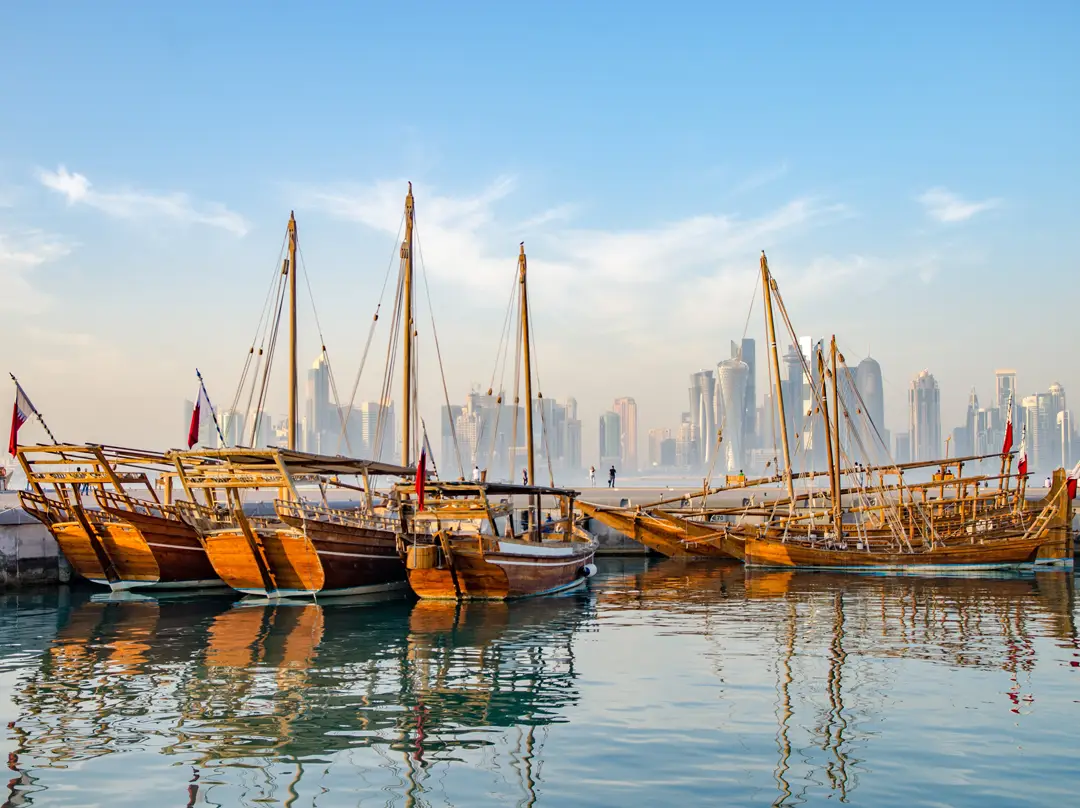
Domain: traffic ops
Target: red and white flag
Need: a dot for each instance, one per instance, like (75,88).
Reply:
(22,410)
(1071,479)
(1021,455)
(193,428)
(421,478)
(1006,447)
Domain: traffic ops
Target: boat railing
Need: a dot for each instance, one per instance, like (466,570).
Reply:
(348,517)
(203,518)
(117,501)
(43,509)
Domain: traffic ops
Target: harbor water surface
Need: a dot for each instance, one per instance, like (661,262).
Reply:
(662,683)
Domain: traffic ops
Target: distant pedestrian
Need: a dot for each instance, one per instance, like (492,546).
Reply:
(592,476)
(524,476)
(476,474)
(1048,483)
(611,477)
(3,479)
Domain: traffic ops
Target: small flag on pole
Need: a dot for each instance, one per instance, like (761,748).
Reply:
(1006,447)
(1021,455)
(22,410)
(421,474)
(193,428)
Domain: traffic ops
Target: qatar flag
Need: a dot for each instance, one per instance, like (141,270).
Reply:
(1021,456)
(193,428)
(421,474)
(22,410)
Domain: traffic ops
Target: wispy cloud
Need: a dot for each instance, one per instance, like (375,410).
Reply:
(626,284)
(132,204)
(20,255)
(761,178)
(944,206)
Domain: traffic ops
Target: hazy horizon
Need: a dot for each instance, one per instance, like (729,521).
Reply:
(909,175)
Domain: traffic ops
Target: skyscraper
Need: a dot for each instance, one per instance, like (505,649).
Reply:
(628,439)
(746,351)
(656,440)
(868,383)
(703,416)
(610,433)
(323,422)
(924,417)
(572,458)
(732,377)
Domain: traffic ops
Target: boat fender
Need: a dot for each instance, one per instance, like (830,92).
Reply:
(588,571)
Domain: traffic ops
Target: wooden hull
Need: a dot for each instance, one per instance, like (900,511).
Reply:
(179,554)
(660,533)
(1002,554)
(126,548)
(285,562)
(515,571)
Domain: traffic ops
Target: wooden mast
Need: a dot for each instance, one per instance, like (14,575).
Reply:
(293,392)
(528,367)
(833,485)
(836,436)
(774,358)
(407,318)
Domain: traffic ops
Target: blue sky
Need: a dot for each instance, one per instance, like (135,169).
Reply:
(910,170)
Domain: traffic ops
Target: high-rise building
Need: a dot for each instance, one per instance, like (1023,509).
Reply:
(378,430)
(610,444)
(732,377)
(232,427)
(1005,388)
(746,351)
(868,382)
(902,453)
(924,417)
(628,439)
(656,441)
(686,443)
(448,423)
(572,457)
(703,415)
(323,425)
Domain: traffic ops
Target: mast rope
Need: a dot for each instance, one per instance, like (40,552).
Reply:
(276,282)
(371,328)
(503,350)
(326,355)
(438,350)
(540,397)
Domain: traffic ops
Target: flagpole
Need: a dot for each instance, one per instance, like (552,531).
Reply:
(210,404)
(37,414)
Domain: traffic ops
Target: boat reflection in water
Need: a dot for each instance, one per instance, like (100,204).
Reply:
(826,627)
(259,700)
(687,682)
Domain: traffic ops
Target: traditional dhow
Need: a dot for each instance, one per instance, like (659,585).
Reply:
(286,545)
(470,542)
(131,538)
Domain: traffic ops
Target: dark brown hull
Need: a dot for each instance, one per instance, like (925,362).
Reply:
(307,558)
(180,555)
(501,576)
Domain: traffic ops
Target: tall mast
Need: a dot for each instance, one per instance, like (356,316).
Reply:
(407,319)
(292,334)
(528,367)
(834,487)
(836,427)
(774,357)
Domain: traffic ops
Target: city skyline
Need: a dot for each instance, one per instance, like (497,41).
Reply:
(124,239)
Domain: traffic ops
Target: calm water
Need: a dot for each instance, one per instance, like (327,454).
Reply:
(664,684)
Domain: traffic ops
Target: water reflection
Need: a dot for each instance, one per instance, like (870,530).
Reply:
(786,687)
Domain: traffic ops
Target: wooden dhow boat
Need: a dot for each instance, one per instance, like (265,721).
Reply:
(131,537)
(293,547)
(870,517)
(465,546)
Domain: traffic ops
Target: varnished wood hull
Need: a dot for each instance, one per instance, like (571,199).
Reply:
(324,562)
(501,575)
(1002,554)
(124,545)
(660,533)
(180,556)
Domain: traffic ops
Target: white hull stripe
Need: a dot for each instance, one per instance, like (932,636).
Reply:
(359,555)
(371,589)
(197,548)
(502,563)
(122,586)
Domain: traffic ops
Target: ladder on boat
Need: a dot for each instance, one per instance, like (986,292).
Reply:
(1041,521)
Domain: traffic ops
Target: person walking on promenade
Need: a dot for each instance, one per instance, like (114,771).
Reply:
(611,476)
(592,476)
